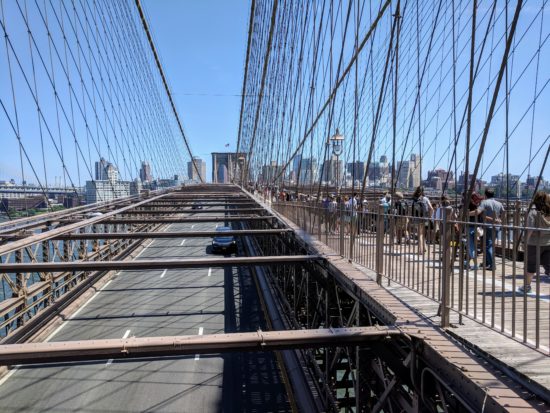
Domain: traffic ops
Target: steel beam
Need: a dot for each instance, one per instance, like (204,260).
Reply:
(193,211)
(134,347)
(163,234)
(73,225)
(175,220)
(152,264)
(165,204)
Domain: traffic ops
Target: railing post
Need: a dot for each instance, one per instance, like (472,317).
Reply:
(379,262)
(445,269)
(342,229)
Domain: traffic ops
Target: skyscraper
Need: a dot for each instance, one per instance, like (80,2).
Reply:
(101,170)
(408,172)
(145,172)
(105,171)
(192,171)
(332,170)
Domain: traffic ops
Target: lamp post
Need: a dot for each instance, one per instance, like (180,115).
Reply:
(241,160)
(337,148)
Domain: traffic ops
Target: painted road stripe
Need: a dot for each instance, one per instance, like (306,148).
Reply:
(209,272)
(183,242)
(163,274)
(198,356)
(126,334)
(192,226)
(144,248)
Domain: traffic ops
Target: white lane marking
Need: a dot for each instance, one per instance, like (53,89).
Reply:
(126,334)
(77,311)
(209,272)
(163,274)
(144,248)
(192,226)
(183,242)
(8,375)
(198,356)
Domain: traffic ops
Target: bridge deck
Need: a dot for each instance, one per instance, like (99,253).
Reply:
(158,303)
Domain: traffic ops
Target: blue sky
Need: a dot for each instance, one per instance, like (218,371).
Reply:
(202,45)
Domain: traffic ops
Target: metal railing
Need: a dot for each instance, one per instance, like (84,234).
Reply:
(472,269)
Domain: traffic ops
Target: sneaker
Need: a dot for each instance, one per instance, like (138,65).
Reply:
(525,289)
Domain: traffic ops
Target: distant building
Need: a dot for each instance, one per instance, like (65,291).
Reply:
(506,185)
(135,187)
(307,171)
(101,170)
(408,172)
(461,186)
(437,179)
(145,172)
(104,191)
(356,170)
(270,172)
(105,171)
(225,164)
(23,204)
(192,171)
(379,172)
(332,171)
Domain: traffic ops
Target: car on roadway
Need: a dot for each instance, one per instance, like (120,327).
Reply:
(224,243)
(196,206)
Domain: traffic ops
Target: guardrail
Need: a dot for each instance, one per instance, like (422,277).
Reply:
(475,270)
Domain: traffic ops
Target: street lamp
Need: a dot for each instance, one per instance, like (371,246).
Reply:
(241,160)
(337,148)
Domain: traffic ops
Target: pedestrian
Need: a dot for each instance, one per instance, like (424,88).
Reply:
(347,214)
(385,202)
(492,212)
(422,211)
(444,203)
(537,238)
(351,207)
(472,231)
(332,211)
(402,221)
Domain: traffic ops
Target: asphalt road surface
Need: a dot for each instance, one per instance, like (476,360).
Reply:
(158,303)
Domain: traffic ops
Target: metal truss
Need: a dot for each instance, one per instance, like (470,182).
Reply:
(373,376)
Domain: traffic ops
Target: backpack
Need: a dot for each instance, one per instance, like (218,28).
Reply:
(401,208)
(420,207)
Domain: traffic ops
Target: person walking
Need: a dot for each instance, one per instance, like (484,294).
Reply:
(402,221)
(537,238)
(422,211)
(385,202)
(492,211)
(351,207)
(472,231)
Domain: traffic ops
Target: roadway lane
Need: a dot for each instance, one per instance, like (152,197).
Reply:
(158,303)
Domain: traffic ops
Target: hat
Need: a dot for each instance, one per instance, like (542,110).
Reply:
(399,195)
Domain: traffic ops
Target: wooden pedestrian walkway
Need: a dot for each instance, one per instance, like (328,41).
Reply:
(488,314)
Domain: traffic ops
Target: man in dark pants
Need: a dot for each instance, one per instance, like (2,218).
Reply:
(493,212)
